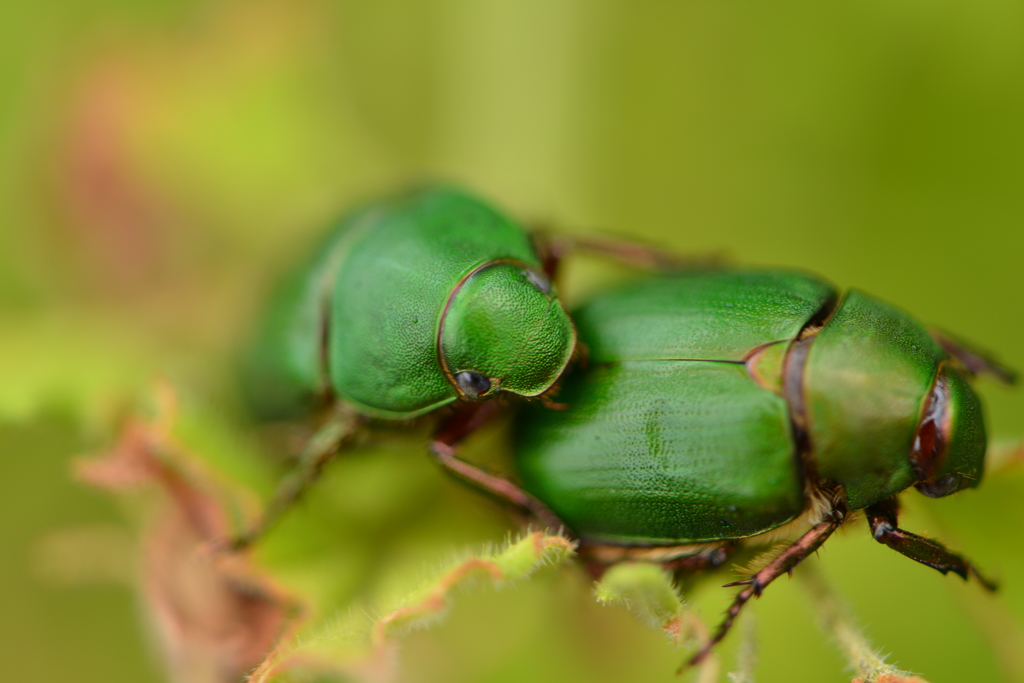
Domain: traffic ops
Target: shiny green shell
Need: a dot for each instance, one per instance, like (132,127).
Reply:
(403,295)
(710,398)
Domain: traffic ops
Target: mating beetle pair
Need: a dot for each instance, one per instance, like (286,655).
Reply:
(709,409)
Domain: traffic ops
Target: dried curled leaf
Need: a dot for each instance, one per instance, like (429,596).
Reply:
(215,616)
(835,619)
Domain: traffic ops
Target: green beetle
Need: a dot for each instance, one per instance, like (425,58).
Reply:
(732,407)
(412,303)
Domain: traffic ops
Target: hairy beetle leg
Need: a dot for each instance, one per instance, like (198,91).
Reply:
(463,422)
(884,518)
(782,564)
(321,447)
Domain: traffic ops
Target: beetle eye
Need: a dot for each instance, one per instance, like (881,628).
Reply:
(940,487)
(471,384)
(538,280)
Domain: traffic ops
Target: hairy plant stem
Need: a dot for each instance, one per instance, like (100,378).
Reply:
(835,619)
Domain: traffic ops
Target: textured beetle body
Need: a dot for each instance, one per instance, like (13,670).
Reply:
(715,404)
(403,296)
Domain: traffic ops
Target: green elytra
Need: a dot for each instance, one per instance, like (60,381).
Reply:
(402,296)
(710,398)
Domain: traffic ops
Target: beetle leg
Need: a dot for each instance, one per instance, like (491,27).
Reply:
(319,450)
(782,564)
(884,517)
(647,257)
(975,360)
(625,251)
(706,559)
(550,251)
(443,448)
(494,485)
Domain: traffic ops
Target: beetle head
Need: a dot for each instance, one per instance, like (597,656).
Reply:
(504,330)
(949,448)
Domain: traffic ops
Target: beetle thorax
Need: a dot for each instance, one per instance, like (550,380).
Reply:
(504,330)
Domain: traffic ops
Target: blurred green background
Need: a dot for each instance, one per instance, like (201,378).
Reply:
(160,161)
